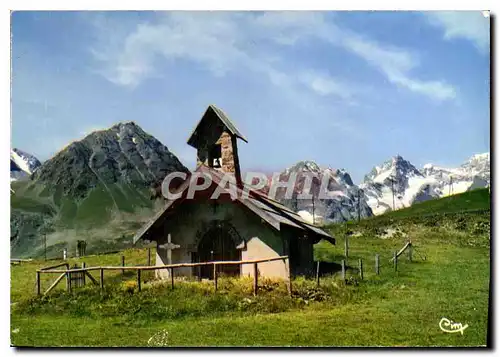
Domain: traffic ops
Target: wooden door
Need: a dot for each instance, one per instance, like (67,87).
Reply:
(217,245)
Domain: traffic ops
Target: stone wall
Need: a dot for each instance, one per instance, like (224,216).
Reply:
(192,220)
(227,164)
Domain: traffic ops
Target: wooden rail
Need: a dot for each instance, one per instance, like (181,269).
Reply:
(401,251)
(56,266)
(171,267)
(19,261)
(180,265)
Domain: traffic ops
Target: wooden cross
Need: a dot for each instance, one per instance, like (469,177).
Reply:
(169,246)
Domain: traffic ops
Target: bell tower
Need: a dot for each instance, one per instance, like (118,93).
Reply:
(215,139)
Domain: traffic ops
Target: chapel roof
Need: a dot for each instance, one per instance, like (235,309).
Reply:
(212,111)
(272,212)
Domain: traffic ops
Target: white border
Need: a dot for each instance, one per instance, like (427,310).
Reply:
(250,5)
(182,5)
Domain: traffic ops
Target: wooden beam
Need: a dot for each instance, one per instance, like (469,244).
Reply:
(37,283)
(91,278)
(172,277)
(255,278)
(102,279)
(289,275)
(343,269)
(55,266)
(401,251)
(361,269)
(139,280)
(54,284)
(68,281)
(317,273)
(83,274)
(215,277)
(159,267)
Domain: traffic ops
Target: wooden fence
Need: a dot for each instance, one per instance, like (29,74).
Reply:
(85,272)
(394,261)
(19,261)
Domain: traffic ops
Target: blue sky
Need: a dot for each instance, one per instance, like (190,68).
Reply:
(345,89)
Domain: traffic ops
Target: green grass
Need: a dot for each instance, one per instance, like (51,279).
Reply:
(448,277)
(468,201)
(101,218)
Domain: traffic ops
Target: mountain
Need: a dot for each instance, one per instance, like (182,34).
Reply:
(335,195)
(122,154)
(411,185)
(97,189)
(22,164)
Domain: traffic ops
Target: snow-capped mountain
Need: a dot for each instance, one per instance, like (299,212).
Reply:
(398,184)
(336,198)
(22,164)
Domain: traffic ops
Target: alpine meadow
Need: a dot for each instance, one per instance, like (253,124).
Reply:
(250,179)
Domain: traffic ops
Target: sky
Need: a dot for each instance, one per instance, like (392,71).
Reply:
(344,89)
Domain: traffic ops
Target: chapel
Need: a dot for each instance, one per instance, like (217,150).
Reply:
(228,228)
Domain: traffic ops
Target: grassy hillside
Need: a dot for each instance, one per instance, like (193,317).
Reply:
(448,277)
(468,201)
(467,213)
(96,189)
(106,218)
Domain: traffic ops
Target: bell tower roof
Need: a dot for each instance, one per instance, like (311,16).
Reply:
(213,119)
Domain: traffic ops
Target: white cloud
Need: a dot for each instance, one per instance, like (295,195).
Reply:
(397,64)
(434,89)
(469,25)
(227,41)
(323,84)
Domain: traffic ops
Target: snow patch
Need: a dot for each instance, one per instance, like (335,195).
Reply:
(306,216)
(20,162)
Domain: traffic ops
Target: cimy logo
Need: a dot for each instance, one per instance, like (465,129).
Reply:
(449,326)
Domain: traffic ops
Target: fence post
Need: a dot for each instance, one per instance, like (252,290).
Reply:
(68,281)
(83,273)
(343,269)
(139,280)
(172,277)
(149,257)
(361,268)
(289,275)
(377,264)
(102,279)
(215,276)
(317,273)
(346,246)
(255,278)
(410,248)
(395,261)
(38,283)
(123,264)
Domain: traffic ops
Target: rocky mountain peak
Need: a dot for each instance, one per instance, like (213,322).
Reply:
(122,153)
(397,183)
(344,177)
(304,166)
(338,202)
(395,169)
(22,164)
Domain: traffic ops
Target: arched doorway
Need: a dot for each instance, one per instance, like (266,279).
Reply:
(218,243)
